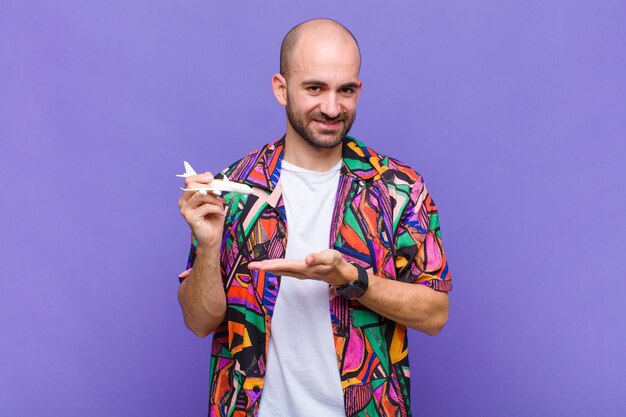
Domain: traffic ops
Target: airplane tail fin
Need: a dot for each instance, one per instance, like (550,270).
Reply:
(188,169)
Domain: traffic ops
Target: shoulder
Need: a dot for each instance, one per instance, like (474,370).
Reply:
(392,172)
(237,171)
(399,171)
(258,167)
(405,185)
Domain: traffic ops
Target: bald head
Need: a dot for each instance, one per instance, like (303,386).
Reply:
(313,30)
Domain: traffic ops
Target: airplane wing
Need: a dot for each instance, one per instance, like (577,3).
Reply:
(204,191)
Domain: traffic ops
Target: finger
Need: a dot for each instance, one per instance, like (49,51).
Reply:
(204,179)
(187,195)
(208,198)
(202,187)
(206,204)
(282,265)
(206,210)
(198,184)
(288,273)
(185,274)
(261,265)
(197,199)
(255,265)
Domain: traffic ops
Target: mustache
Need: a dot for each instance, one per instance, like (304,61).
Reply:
(325,118)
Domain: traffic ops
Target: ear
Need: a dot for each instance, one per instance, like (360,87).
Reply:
(279,85)
(358,89)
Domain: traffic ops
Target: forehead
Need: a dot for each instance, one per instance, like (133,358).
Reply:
(326,56)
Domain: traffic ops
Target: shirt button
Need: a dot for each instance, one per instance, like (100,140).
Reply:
(271,286)
(255,388)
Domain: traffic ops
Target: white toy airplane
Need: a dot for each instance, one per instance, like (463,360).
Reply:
(216,187)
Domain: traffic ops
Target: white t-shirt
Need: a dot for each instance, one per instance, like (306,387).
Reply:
(302,376)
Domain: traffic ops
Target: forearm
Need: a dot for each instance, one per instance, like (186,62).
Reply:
(201,295)
(414,305)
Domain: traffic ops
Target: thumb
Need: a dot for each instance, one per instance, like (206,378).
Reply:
(312,259)
(325,257)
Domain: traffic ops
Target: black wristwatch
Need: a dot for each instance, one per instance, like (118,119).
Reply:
(357,288)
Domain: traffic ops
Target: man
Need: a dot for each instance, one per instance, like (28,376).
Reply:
(310,282)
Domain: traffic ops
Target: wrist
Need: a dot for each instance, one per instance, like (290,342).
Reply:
(208,254)
(349,275)
(357,286)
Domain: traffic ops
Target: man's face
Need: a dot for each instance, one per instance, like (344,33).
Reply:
(322,92)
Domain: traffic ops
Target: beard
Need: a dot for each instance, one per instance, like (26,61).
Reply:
(325,138)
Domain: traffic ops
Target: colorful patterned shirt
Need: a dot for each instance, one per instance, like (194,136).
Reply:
(384,220)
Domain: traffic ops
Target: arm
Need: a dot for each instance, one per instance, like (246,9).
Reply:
(422,277)
(201,294)
(406,299)
(414,305)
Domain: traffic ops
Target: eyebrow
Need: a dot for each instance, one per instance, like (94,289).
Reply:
(351,84)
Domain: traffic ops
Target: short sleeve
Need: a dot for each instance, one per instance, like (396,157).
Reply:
(420,257)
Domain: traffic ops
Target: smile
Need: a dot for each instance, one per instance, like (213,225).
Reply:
(331,124)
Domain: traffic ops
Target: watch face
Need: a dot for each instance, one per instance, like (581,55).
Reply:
(352,292)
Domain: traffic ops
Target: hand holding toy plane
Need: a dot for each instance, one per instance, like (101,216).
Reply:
(216,187)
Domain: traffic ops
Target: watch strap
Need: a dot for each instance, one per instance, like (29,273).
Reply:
(362,278)
(355,289)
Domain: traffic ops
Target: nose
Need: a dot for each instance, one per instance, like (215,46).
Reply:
(330,106)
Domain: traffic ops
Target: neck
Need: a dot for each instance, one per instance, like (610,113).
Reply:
(301,153)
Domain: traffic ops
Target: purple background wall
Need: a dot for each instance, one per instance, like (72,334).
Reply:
(514,113)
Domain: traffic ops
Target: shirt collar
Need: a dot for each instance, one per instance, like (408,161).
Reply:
(261,168)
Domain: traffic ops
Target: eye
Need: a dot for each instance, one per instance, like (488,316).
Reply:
(347,90)
(313,89)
